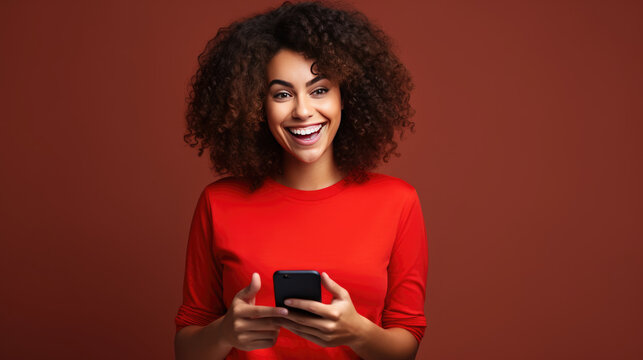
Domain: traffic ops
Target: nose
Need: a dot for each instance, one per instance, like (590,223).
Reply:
(302,109)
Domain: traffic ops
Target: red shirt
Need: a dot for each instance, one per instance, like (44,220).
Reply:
(370,238)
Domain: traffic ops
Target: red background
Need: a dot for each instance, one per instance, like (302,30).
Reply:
(527,159)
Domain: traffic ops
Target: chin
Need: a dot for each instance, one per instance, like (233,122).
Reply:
(307,156)
(306,159)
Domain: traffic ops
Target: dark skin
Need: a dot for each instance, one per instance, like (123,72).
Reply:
(247,326)
(299,98)
(341,324)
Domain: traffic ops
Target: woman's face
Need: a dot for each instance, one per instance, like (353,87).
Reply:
(303,109)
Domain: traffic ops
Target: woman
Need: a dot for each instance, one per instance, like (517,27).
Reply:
(298,104)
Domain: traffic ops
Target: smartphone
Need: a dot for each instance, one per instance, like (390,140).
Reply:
(296,284)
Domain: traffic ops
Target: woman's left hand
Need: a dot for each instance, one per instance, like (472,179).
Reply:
(340,323)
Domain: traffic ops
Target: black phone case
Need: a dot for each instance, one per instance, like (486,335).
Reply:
(296,284)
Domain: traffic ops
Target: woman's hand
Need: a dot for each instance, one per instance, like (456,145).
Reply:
(247,326)
(340,323)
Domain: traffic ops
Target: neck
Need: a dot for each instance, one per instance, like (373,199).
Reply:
(310,176)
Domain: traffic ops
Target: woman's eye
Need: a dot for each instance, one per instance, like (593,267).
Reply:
(281,95)
(320,91)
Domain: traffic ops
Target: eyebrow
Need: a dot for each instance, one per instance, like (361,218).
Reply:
(286,83)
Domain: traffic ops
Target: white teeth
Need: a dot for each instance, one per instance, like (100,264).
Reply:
(306,130)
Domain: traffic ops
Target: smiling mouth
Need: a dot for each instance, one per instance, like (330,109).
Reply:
(302,131)
(306,135)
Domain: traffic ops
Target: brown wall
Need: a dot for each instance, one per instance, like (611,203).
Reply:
(527,158)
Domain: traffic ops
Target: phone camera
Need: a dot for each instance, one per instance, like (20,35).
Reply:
(285,276)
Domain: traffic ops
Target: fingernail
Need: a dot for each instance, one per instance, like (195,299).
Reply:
(283,311)
(288,302)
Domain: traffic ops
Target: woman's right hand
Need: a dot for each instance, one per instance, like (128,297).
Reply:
(247,326)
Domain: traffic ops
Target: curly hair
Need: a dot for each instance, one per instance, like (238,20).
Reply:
(226,101)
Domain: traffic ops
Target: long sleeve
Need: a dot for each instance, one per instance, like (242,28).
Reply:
(407,272)
(202,287)
(369,237)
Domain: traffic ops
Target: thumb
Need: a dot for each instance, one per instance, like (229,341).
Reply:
(337,291)
(248,293)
